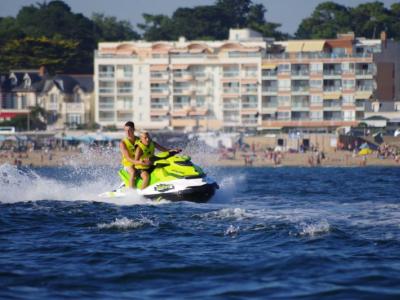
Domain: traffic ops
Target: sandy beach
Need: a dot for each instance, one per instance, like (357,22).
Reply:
(260,159)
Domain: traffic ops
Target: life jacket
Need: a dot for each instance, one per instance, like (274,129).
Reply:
(148,151)
(131,150)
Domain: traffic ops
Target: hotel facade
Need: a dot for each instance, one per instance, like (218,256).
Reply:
(246,82)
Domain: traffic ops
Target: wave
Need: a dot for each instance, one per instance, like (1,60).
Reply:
(77,184)
(126,223)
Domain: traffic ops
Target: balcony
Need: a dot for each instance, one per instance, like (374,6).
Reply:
(300,73)
(249,90)
(124,90)
(106,106)
(333,72)
(300,88)
(106,75)
(250,105)
(159,90)
(230,74)
(249,121)
(231,90)
(269,73)
(159,105)
(75,108)
(230,106)
(104,90)
(124,105)
(332,89)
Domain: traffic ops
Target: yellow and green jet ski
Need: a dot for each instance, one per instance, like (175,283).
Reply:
(172,177)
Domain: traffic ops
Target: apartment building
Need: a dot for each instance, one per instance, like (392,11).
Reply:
(246,82)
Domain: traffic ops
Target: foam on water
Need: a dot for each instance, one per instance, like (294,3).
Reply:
(26,185)
(126,223)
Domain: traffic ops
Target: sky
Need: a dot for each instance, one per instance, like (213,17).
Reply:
(288,13)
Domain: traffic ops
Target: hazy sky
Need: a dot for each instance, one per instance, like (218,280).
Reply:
(289,13)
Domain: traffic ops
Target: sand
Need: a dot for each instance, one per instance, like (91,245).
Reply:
(77,158)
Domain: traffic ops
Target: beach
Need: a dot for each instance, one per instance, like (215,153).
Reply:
(110,157)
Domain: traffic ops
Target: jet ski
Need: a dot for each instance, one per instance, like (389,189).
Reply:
(172,177)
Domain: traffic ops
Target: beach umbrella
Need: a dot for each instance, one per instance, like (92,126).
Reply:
(86,138)
(365,151)
(12,138)
(69,138)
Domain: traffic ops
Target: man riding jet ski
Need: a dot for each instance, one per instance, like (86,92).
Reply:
(164,176)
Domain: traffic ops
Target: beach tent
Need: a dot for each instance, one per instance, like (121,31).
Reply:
(69,138)
(365,151)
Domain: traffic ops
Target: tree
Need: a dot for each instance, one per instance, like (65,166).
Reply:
(370,19)
(56,55)
(326,21)
(110,29)
(209,21)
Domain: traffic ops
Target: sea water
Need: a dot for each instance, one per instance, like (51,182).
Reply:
(268,233)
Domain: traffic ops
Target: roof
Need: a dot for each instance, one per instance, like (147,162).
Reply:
(67,83)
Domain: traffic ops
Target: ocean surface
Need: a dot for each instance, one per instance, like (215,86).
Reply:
(268,233)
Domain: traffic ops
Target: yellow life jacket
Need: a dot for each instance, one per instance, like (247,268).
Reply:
(131,150)
(148,151)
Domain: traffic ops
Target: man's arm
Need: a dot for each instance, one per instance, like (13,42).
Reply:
(138,154)
(124,151)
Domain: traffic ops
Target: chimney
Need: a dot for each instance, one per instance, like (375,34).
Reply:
(42,71)
(384,38)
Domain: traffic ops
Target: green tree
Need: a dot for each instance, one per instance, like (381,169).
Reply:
(110,29)
(370,19)
(56,55)
(326,21)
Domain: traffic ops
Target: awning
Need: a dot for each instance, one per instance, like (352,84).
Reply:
(294,46)
(158,67)
(180,67)
(269,66)
(333,96)
(313,46)
(158,112)
(202,112)
(179,113)
(249,80)
(249,112)
(11,114)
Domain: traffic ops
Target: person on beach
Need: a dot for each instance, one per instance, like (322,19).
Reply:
(144,151)
(127,147)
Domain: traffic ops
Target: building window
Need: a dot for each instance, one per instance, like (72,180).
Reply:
(77,98)
(284,84)
(74,119)
(23,101)
(106,71)
(316,99)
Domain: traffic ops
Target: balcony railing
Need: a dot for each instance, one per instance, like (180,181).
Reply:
(229,74)
(249,105)
(300,72)
(106,74)
(364,88)
(364,72)
(159,106)
(124,90)
(159,90)
(300,88)
(106,90)
(332,88)
(332,72)
(269,73)
(231,106)
(231,91)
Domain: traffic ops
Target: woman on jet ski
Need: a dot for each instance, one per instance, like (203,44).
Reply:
(144,151)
